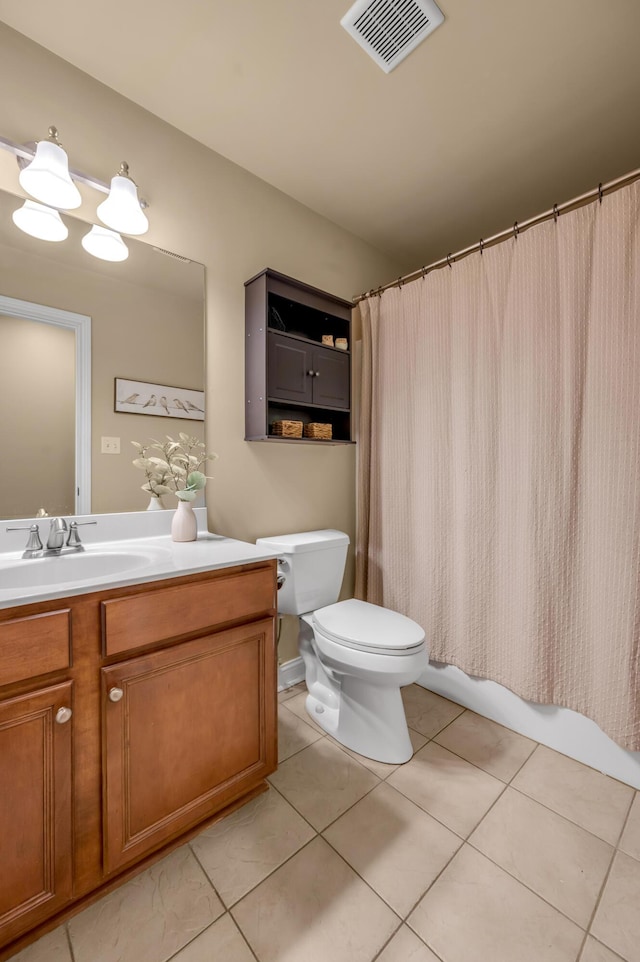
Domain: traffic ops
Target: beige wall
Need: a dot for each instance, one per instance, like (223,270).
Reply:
(38,441)
(208,209)
(137,332)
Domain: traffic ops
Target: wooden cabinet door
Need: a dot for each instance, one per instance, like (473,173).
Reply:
(289,364)
(191,729)
(331,387)
(35,808)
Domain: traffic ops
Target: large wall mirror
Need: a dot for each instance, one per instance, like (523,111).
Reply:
(69,326)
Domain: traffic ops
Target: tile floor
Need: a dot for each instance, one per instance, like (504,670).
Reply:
(485,847)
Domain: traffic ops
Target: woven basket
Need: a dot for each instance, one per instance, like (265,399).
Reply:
(287,429)
(322,432)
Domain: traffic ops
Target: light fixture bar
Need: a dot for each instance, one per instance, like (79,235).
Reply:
(26,152)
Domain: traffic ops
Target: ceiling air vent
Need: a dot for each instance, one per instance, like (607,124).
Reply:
(390,29)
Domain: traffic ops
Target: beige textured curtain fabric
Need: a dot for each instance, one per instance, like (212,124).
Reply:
(499,461)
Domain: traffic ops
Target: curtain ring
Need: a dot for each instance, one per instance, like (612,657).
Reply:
(481,247)
(399,282)
(449,260)
(600,194)
(556,213)
(516,229)
(424,272)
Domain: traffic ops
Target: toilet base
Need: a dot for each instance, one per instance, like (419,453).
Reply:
(366,717)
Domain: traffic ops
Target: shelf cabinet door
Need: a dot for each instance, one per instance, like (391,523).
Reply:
(35,809)
(331,383)
(289,363)
(191,729)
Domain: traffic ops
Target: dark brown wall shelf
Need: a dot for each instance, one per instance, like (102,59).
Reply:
(308,340)
(316,441)
(289,374)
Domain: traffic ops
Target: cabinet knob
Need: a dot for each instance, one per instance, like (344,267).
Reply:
(310,373)
(115,694)
(63,715)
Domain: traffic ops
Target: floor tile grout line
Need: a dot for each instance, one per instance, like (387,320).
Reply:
(197,936)
(542,898)
(68,934)
(303,817)
(606,877)
(475,765)
(625,823)
(357,874)
(268,876)
(244,938)
(390,939)
(209,880)
(616,957)
(554,811)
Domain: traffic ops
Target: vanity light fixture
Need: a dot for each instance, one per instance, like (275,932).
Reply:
(47,176)
(121,210)
(105,244)
(40,221)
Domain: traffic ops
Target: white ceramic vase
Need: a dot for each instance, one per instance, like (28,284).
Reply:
(155,504)
(184,524)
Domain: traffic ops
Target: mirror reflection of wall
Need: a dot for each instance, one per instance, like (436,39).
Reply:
(37,417)
(147,324)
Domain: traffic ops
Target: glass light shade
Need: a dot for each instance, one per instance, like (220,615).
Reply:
(40,221)
(47,177)
(105,244)
(121,210)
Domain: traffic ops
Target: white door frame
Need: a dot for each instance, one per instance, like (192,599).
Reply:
(81,324)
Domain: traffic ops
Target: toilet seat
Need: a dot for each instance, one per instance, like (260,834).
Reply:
(367,627)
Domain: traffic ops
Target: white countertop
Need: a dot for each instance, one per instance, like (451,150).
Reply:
(156,558)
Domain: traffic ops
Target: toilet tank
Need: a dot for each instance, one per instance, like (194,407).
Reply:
(313,566)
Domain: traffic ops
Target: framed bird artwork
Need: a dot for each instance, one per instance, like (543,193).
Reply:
(161,400)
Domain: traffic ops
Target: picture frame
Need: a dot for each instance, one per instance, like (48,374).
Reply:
(159,400)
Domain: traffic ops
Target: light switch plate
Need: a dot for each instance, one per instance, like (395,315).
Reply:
(110,446)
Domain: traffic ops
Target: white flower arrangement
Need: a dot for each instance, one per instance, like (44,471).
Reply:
(175,469)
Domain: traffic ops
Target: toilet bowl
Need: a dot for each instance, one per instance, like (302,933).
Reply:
(357,655)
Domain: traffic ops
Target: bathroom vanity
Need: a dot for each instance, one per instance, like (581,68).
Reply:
(131,712)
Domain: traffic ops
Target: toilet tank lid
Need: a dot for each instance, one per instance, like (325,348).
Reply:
(305,541)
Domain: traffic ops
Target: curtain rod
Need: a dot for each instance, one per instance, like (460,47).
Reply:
(517,228)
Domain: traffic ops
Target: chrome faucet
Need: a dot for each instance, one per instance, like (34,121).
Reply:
(55,542)
(57,531)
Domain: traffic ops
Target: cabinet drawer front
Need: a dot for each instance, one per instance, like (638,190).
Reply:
(145,619)
(34,645)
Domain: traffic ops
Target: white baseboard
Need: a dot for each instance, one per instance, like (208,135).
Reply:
(564,730)
(290,673)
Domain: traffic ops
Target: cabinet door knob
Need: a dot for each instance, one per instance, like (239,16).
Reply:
(63,715)
(115,694)
(310,373)
(316,373)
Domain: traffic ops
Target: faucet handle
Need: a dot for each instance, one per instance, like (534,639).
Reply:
(73,538)
(33,542)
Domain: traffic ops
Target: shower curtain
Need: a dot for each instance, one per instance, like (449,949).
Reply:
(499,461)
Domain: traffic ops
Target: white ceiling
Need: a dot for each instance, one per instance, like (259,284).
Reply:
(508,107)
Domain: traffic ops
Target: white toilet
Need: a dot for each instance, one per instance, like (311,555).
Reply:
(357,655)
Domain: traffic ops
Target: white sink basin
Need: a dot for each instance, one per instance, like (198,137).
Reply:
(70,568)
